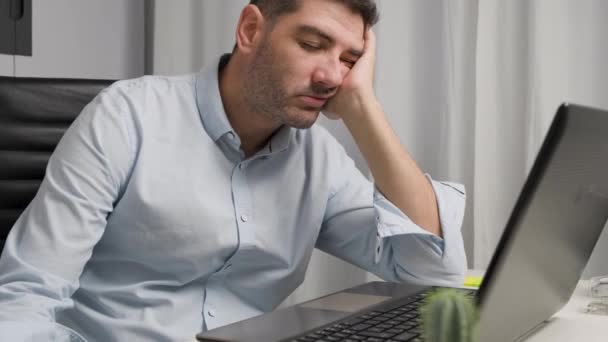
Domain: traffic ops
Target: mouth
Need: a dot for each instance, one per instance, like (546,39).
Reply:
(316,102)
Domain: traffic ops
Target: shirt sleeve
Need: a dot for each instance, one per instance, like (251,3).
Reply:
(364,228)
(52,240)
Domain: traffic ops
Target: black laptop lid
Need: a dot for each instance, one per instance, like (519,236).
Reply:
(553,228)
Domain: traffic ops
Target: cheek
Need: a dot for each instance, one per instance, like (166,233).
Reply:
(345,70)
(297,78)
(296,69)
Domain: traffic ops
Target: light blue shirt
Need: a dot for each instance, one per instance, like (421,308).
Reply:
(151,224)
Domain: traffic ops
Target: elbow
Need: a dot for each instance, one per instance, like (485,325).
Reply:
(436,269)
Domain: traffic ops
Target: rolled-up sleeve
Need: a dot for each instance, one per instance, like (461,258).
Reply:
(418,253)
(364,228)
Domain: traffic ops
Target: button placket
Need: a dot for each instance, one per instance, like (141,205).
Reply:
(242,204)
(209,309)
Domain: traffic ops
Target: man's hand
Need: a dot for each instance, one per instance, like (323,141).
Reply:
(356,92)
(395,173)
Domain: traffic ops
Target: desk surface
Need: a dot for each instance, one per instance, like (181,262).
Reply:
(572,323)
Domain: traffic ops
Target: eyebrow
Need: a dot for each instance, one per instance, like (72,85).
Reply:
(306,29)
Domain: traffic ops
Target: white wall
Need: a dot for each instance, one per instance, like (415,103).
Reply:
(424,86)
(571,47)
(85,39)
(189,36)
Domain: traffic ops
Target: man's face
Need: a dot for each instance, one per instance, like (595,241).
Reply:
(301,61)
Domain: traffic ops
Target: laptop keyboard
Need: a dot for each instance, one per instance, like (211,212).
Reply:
(394,324)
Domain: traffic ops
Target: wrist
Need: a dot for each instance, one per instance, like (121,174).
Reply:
(367,108)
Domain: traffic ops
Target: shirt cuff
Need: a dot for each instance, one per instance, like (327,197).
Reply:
(391,221)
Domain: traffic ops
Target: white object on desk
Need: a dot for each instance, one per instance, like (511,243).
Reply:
(572,323)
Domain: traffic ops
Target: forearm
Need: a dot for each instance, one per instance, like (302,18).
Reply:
(395,173)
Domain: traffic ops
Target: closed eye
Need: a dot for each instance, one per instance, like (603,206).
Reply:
(350,64)
(310,46)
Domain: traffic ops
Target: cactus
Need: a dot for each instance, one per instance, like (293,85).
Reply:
(448,316)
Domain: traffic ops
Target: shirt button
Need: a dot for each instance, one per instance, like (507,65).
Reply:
(211,313)
(244,218)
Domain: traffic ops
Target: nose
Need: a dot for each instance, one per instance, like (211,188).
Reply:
(329,74)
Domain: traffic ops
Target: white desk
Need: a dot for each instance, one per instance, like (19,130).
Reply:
(573,324)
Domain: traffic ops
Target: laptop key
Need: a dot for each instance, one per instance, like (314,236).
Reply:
(340,335)
(385,325)
(381,335)
(395,331)
(389,315)
(354,321)
(374,339)
(360,327)
(406,336)
(375,321)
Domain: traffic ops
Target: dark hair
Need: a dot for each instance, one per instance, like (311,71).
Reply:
(272,9)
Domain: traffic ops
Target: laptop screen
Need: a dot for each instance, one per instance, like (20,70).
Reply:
(553,228)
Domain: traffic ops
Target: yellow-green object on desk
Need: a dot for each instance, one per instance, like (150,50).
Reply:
(472,281)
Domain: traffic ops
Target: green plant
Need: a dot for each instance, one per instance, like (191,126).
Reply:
(448,316)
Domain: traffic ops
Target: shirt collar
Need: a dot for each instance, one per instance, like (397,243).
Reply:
(213,115)
(280,140)
(209,100)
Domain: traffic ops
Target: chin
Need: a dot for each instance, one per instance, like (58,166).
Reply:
(302,119)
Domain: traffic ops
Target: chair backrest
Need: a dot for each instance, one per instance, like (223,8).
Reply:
(34,114)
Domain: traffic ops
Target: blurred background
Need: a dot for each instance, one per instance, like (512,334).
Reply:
(470,86)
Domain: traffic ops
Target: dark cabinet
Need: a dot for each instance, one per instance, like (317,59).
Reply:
(16,27)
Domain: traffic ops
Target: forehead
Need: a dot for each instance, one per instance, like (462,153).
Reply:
(331,17)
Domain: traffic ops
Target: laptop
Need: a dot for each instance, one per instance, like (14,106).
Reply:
(548,239)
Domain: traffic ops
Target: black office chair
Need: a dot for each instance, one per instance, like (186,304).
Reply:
(34,114)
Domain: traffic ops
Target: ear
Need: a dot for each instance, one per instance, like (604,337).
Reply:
(249,28)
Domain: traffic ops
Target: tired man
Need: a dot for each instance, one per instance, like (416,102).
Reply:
(178,204)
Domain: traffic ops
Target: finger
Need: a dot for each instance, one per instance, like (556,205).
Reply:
(370,41)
